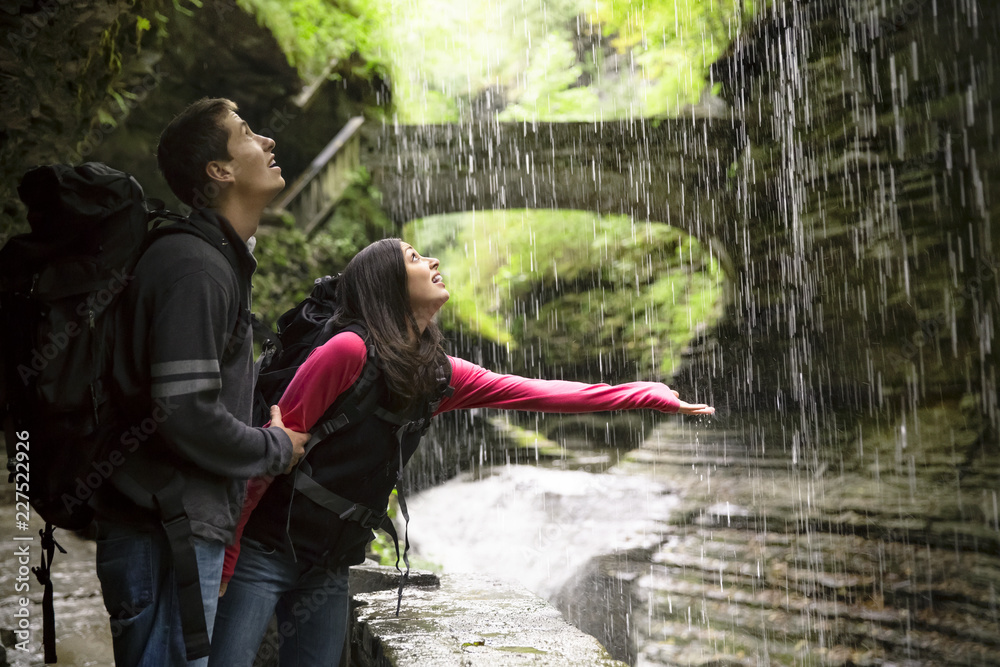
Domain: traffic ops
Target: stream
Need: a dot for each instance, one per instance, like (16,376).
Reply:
(695,548)
(698,549)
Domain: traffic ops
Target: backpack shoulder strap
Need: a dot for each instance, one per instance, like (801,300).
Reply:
(421,421)
(222,238)
(357,403)
(444,388)
(167,500)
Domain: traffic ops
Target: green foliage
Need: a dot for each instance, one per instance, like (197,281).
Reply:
(558,299)
(672,42)
(73,73)
(312,33)
(555,60)
(550,90)
(289,261)
(382,549)
(460,51)
(141,26)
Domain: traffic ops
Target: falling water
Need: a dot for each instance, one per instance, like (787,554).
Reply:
(842,506)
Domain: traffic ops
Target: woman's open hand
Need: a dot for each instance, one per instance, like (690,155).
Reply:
(693,408)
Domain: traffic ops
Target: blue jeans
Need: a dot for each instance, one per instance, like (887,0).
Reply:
(311,603)
(140,594)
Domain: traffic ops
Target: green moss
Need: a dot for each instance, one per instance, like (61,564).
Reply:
(564,290)
(528,439)
(314,32)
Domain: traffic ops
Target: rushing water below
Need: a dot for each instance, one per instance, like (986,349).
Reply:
(694,551)
(691,550)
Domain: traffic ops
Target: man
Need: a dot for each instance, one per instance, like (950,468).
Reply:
(184,371)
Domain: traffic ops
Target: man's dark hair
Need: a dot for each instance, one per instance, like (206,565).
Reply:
(192,140)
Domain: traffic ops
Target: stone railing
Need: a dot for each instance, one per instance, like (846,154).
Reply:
(460,619)
(452,619)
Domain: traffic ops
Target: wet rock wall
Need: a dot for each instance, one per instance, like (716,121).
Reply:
(867,264)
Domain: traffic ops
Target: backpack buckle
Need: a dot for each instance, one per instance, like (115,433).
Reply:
(416,425)
(366,516)
(174,526)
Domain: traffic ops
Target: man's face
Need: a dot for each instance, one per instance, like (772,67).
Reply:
(253,173)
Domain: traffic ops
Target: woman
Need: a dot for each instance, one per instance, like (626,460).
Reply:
(294,556)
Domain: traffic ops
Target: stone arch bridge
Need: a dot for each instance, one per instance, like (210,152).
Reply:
(853,217)
(851,214)
(665,171)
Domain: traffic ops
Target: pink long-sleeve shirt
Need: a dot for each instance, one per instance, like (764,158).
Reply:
(332,368)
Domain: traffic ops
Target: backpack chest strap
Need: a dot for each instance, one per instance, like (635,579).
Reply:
(345,509)
(357,403)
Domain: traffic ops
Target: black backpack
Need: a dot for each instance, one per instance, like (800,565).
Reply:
(301,330)
(59,287)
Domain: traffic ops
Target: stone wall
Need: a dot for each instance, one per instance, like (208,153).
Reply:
(868,259)
(466,619)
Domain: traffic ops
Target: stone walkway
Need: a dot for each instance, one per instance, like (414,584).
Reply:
(84,637)
(469,620)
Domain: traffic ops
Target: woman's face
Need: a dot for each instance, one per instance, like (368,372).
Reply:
(424,283)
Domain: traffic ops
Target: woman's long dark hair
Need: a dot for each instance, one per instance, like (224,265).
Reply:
(373,291)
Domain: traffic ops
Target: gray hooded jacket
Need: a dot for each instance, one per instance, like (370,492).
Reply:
(183,366)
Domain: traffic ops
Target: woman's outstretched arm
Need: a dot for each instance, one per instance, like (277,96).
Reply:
(477,387)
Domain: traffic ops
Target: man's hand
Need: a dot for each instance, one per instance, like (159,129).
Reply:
(299,440)
(693,408)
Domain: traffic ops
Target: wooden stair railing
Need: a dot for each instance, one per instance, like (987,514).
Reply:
(312,196)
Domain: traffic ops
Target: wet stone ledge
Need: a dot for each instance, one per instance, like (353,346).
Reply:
(469,620)
(452,620)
